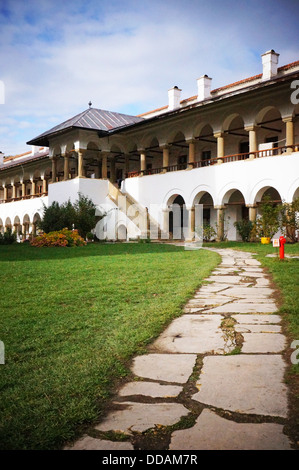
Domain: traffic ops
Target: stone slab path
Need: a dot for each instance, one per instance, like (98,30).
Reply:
(213,380)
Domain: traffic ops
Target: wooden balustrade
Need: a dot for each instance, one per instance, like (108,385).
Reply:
(23,198)
(212,161)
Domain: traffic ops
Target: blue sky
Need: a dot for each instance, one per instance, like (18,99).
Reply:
(124,55)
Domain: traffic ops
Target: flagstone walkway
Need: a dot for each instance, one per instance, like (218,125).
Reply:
(213,380)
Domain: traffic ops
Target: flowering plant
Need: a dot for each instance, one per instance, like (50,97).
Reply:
(62,237)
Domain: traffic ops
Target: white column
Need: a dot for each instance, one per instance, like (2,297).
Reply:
(191,224)
(127,164)
(289,133)
(81,173)
(104,165)
(142,160)
(66,167)
(191,154)
(252,130)
(32,187)
(165,224)
(54,169)
(220,146)
(220,222)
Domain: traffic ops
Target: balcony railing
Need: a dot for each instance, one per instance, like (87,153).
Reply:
(212,161)
(23,198)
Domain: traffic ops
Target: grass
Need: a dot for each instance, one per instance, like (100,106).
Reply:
(71,319)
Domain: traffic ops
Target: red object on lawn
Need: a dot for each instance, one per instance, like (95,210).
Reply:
(282,241)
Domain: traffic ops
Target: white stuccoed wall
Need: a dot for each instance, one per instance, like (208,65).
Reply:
(155,191)
(249,177)
(21,208)
(97,190)
(62,191)
(280,172)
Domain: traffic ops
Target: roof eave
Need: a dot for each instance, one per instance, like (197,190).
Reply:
(44,139)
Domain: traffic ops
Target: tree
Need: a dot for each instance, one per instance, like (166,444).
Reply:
(289,220)
(56,217)
(80,215)
(267,223)
(8,237)
(85,215)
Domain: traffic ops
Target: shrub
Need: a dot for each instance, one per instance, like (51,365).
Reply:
(85,215)
(80,215)
(267,223)
(289,222)
(8,237)
(89,236)
(244,228)
(63,237)
(208,232)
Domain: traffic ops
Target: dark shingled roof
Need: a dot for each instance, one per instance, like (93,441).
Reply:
(93,119)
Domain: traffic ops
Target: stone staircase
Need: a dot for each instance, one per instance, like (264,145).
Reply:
(137,213)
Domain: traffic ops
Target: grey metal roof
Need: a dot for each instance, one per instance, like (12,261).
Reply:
(94,119)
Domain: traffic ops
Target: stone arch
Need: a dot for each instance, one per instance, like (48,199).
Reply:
(26,225)
(235,210)
(208,220)
(228,122)
(198,193)
(177,217)
(17,225)
(296,194)
(70,146)
(270,191)
(35,220)
(56,151)
(293,191)
(147,140)
(122,232)
(178,152)
(233,195)
(199,127)
(16,220)
(8,223)
(92,145)
(176,134)
(154,154)
(271,129)
(26,219)
(236,137)
(206,143)
(47,173)
(171,195)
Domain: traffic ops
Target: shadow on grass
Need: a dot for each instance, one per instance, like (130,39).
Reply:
(25,252)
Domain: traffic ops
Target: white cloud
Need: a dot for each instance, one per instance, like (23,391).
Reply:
(119,55)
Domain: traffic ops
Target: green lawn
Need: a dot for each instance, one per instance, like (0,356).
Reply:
(71,319)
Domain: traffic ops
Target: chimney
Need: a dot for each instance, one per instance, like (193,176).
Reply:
(174,98)
(1,159)
(203,88)
(270,64)
(34,149)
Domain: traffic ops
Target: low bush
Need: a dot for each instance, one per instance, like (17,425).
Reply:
(62,237)
(244,228)
(8,237)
